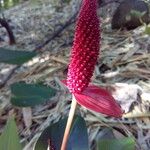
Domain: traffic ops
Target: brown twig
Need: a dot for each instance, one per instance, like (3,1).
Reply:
(5,24)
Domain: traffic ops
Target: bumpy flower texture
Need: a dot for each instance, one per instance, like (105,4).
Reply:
(84,55)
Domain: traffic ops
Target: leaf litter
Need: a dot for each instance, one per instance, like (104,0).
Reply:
(123,68)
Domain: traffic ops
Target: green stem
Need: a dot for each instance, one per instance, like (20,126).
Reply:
(69,123)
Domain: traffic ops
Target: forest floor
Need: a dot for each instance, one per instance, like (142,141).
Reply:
(47,26)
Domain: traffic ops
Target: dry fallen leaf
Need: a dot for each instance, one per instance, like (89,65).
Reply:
(27,117)
(126,94)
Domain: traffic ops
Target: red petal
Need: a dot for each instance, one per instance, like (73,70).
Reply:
(99,100)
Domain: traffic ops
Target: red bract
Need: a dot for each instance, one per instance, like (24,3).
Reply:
(99,100)
(85,48)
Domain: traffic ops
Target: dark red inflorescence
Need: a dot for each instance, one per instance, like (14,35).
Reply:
(85,48)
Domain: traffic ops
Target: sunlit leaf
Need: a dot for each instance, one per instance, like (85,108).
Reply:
(116,144)
(9,139)
(137,14)
(147,29)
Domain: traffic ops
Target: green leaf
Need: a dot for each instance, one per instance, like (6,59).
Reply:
(27,95)
(9,139)
(78,139)
(15,57)
(147,29)
(137,14)
(127,143)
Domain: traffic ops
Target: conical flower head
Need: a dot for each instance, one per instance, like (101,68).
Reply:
(85,48)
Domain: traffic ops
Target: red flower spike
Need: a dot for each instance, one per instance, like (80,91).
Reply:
(84,55)
(85,48)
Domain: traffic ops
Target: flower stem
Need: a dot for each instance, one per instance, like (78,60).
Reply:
(69,123)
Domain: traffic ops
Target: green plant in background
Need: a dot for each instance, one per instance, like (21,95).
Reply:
(113,144)
(140,15)
(8,3)
(9,139)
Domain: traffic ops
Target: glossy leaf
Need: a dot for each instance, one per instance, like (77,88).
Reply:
(15,56)
(25,95)
(99,100)
(53,134)
(119,144)
(9,139)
